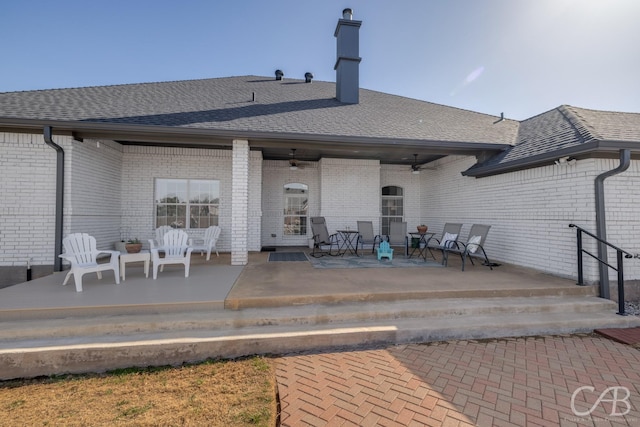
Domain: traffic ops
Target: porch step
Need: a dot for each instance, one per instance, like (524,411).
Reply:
(211,320)
(37,347)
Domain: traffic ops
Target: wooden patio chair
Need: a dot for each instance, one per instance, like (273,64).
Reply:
(473,248)
(80,250)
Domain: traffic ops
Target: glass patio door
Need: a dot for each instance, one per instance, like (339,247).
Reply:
(392,206)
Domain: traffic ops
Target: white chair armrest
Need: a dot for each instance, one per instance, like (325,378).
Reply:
(109,252)
(68,258)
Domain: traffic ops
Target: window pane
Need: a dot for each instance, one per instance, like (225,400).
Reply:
(203,191)
(173,215)
(392,191)
(171,191)
(203,216)
(392,206)
(175,197)
(295,209)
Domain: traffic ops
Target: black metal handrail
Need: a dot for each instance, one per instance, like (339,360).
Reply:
(619,268)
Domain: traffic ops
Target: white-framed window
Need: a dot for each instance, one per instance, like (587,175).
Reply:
(296,206)
(187,203)
(392,206)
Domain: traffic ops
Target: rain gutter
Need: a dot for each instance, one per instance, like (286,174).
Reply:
(172,134)
(601,222)
(57,261)
(548,158)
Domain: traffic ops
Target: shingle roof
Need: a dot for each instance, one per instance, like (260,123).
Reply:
(286,106)
(565,129)
(310,110)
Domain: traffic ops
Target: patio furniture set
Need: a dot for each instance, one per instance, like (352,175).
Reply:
(171,246)
(422,243)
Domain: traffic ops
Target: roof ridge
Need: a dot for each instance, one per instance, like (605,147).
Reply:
(579,123)
(126,84)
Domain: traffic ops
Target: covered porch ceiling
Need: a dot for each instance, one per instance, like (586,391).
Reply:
(273,145)
(314,148)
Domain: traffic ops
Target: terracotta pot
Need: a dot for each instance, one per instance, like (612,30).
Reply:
(133,248)
(422,229)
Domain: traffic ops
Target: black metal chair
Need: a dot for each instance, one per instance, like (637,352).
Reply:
(398,235)
(322,238)
(450,234)
(473,248)
(366,236)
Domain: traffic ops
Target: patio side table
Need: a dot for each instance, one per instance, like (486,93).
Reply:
(421,245)
(349,242)
(140,256)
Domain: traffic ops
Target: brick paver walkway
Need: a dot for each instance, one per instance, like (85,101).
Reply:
(507,382)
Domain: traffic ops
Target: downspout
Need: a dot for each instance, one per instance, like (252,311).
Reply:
(601,222)
(57,262)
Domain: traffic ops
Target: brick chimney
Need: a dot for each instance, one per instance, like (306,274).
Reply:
(348,58)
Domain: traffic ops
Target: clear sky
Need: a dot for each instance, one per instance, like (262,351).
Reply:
(520,57)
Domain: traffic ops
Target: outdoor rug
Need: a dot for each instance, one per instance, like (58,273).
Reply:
(369,261)
(287,256)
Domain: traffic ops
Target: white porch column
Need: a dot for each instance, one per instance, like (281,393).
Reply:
(240,203)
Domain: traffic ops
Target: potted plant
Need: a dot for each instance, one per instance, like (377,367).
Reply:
(422,228)
(121,245)
(133,246)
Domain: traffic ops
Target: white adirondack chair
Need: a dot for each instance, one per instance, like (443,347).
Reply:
(207,244)
(80,250)
(176,251)
(160,232)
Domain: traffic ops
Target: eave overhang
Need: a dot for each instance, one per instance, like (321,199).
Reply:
(129,134)
(597,148)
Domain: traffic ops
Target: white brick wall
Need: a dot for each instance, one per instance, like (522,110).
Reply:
(240,203)
(622,197)
(401,176)
(93,190)
(27,211)
(109,192)
(255,201)
(28,184)
(530,211)
(110,189)
(142,165)
(275,174)
(349,191)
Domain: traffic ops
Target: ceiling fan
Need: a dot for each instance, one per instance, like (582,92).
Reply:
(415,167)
(294,163)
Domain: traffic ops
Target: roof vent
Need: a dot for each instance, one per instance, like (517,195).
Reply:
(308,77)
(279,74)
(347,14)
